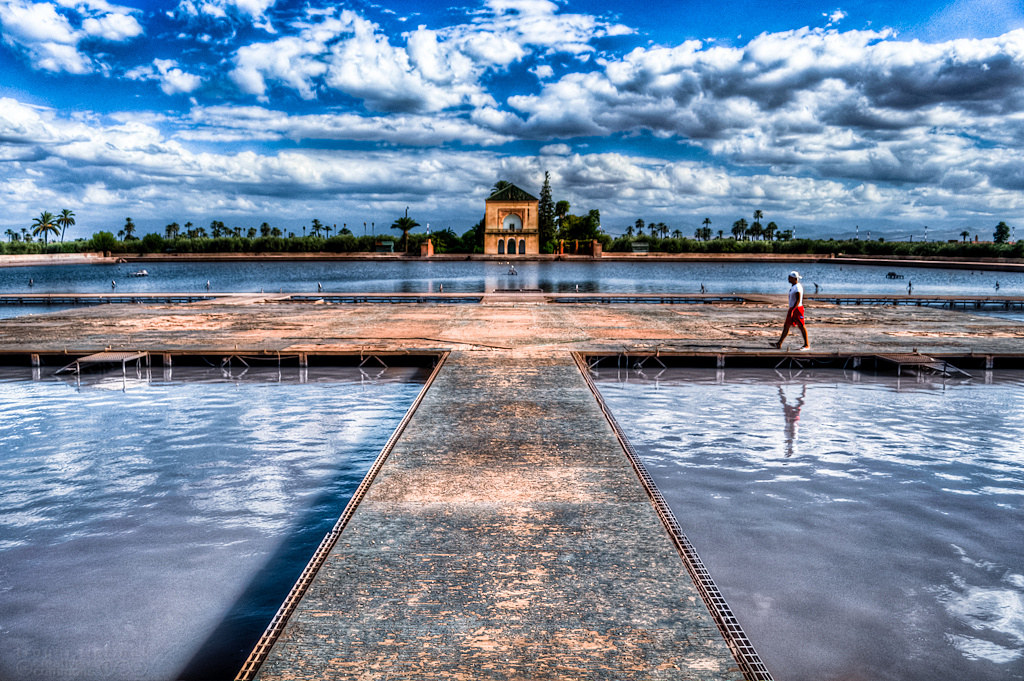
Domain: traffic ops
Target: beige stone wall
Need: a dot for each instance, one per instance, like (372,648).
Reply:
(494,218)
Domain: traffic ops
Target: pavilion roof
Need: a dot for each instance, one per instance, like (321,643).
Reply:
(511,193)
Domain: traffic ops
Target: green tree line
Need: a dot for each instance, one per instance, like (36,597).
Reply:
(556,223)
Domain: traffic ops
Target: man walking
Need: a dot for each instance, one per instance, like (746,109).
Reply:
(796,311)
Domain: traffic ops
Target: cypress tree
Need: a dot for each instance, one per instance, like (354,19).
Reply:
(546,214)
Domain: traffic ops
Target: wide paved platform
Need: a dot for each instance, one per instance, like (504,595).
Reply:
(506,537)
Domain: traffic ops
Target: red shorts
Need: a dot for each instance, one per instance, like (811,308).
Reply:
(796,316)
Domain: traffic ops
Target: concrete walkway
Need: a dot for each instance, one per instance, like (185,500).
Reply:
(506,537)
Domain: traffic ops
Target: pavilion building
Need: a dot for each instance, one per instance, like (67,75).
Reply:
(510,223)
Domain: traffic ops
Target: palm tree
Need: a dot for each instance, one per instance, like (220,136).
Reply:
(770,230)
(755,227)
(707,223)
(44,224)
(964,234)
(10,235)
(405,224)
(316,228)
(129,229)
(561,210)
(498,186)
(677,234)
(65,220)
(739,228)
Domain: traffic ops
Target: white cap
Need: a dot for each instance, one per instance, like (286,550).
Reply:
(795,275)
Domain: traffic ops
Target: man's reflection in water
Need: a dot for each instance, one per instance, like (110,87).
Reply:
(792,414)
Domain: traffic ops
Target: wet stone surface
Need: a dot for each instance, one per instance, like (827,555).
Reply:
(506,537)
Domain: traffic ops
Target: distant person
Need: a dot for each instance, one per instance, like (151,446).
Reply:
(997,285)
(910,287)
(815,287)
(442,288)
(31,283)
(207,284)
(796,311)
(319,287)
(113,285)
(702,289)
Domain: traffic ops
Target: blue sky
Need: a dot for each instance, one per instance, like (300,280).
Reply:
(824,116)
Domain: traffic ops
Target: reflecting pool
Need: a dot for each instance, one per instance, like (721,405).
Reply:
(150,527)
(416,276)
(860,526)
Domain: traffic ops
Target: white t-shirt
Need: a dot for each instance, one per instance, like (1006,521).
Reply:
(796,293)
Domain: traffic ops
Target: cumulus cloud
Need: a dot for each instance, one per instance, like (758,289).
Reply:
(171,78)
(252,10)
(543,71)
(134,163)
(44,31)
(291,61)
(434,70)
(847,105)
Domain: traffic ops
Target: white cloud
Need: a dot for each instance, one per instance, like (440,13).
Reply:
(253,10)
(852,105)
(133,164)
(434,70)
(113,27)
(835,16)
(173,80)
(556,150)
(229,124)
(48,38)
(543,71)
(291,61)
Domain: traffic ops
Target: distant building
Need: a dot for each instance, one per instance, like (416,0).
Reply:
(510,223)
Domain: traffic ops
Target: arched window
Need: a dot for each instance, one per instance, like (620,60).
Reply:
(522,247)
(511,246)
(501,247)
(513,223)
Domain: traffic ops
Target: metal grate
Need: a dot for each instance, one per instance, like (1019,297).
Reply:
(742,649)
(259,654)
(106,358)
(917,361)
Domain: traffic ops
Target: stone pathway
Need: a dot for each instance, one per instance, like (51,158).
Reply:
(506,537)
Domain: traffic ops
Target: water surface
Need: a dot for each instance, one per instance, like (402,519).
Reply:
(150,528)
(478,276)
(860,527)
